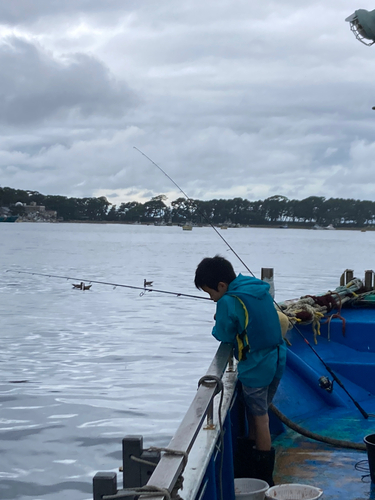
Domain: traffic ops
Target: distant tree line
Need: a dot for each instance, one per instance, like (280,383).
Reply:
(276,210)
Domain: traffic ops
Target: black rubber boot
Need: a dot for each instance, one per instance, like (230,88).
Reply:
(264,465)
(244,459)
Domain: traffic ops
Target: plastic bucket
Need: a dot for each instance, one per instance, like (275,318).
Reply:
(293,492)
(250,489)
(370,447)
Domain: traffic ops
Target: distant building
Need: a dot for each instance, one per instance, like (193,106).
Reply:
(37,213)
(34,208)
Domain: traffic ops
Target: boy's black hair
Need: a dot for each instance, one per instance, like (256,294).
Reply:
(212,270)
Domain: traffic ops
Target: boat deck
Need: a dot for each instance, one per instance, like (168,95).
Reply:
(303,460)
(317,464)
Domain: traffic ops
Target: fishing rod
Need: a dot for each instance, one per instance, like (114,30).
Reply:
(334,376)
(115,285)
(190,200)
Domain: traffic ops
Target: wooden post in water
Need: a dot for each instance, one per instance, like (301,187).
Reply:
(369,279)
(346,277)
(267,276)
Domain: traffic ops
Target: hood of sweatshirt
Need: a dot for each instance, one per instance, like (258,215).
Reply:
(248,285)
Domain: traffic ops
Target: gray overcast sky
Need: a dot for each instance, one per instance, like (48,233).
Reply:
(233,98)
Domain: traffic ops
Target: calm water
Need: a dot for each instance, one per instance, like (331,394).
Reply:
(80,370)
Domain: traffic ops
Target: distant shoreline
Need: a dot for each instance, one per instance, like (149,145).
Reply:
(227,227)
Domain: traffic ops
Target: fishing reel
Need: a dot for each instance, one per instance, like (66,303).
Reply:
(326,384)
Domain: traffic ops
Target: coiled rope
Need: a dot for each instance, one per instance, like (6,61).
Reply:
(144,491)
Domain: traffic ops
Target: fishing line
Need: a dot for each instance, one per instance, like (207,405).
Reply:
(365,415)
(190,200)
(115,285)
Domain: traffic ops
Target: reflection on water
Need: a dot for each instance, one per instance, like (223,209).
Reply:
(79,370)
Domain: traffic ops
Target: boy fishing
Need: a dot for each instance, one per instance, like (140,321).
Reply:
(246,318)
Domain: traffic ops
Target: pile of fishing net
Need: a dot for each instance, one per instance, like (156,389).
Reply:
(311,309)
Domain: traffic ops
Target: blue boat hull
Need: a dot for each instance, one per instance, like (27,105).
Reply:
(350,353)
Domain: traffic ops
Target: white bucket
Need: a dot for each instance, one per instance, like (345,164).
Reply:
(293,492)
(250,489)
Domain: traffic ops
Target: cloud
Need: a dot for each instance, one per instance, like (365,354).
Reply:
(35,86)
(239,99)
(26,12)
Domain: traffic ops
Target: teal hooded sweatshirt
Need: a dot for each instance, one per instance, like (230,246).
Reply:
(267,355)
